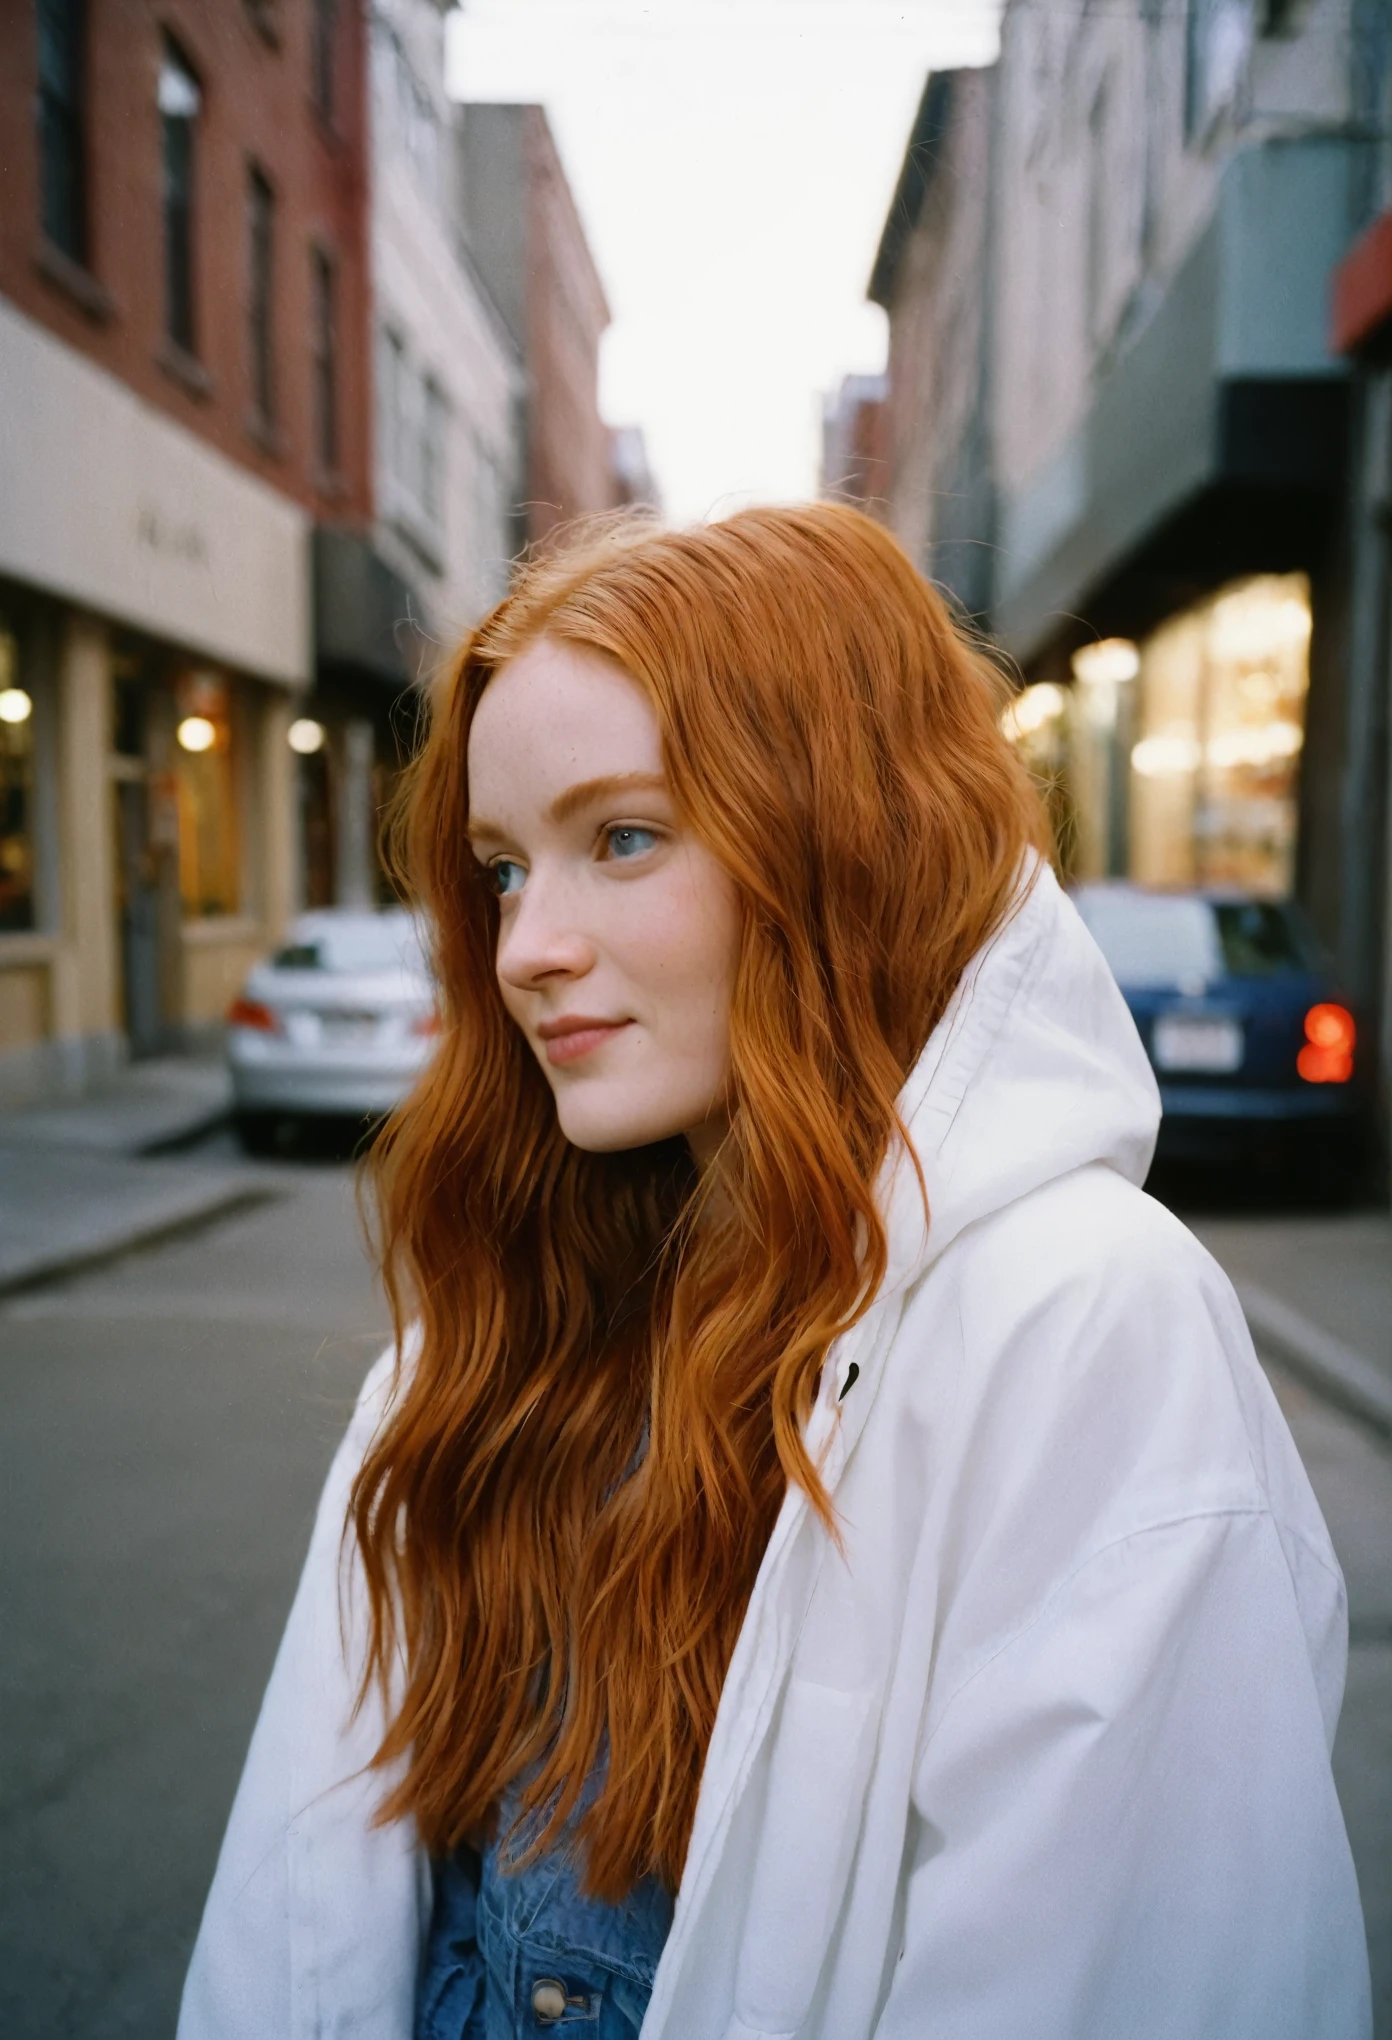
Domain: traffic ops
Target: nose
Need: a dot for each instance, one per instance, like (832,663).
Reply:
(540,942)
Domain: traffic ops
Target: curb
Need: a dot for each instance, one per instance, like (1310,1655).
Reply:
(189,1134)
(1323,1361)
(216,1203)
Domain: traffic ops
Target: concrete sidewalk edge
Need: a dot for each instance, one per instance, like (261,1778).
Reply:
(216,1202)
(1326,1363)
(196,1128)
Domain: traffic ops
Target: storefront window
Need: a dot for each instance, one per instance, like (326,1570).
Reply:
(206,774)
(16,792)
(1036,722)
(1215,767)
(1101,707)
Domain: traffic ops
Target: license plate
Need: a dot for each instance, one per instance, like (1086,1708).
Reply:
(1184,1041)
(341,1028)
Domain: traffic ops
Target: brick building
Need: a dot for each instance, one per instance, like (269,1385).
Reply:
(528,240)
(183,281)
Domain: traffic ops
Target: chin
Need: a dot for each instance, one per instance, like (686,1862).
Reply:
(599,1132)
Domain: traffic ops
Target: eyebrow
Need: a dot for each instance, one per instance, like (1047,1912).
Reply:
(585,793)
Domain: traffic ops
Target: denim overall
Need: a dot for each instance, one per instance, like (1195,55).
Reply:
(517,1953)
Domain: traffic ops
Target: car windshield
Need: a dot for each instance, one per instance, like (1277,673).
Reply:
(1154,938)
(1166,939)
(356,942)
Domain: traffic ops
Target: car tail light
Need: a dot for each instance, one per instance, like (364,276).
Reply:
(251,1013)
(1327,1057)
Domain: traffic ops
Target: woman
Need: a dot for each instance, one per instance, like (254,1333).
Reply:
(819,1487)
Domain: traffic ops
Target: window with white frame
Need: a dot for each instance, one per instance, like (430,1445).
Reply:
(414,427)
(405,112)
(1218,37)
(434,422)
(489,534)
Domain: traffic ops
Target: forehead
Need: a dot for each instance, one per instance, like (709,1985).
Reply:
(555,715)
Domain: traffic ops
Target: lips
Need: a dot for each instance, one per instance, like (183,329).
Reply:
(576,1035)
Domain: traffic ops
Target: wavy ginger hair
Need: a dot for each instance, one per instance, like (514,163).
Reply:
(562,1519)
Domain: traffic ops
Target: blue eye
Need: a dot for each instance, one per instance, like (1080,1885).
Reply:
(507,876)
(626,840)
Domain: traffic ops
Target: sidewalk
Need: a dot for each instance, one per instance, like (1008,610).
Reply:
(1318,1296)
(151,1106)
(86,1179)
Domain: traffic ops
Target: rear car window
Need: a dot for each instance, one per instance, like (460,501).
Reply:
(366,943)
(1154,938)
(1261,938)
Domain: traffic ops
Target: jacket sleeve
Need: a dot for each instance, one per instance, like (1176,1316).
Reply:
(1118,1829)
(312,1925)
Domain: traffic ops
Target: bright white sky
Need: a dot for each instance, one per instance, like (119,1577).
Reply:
(733,162)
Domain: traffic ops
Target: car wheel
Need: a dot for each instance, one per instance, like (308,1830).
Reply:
(257,1131)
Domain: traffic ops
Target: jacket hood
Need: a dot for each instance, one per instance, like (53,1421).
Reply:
(1035,1070)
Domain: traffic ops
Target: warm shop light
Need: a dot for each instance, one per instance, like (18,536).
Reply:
(196,733)
(15,705)
(1258,744)
(1166,754)
(1327,1057)
(1110,662)
(251,1013)
(1030,711)
(305,736)
(1262,618)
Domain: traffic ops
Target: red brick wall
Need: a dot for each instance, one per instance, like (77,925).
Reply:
(256,106)
(569,471)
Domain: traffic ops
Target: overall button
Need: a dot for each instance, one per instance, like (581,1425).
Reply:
(548,1999)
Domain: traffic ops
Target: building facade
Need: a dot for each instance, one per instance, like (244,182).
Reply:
(634,484)
(527,239)
(183,292)
(393,600)
(1361,331)
(855,465)
(1120,432)
(931,275)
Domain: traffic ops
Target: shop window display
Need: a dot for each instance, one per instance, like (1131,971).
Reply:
(1215,765)
(16,793)
(206,773)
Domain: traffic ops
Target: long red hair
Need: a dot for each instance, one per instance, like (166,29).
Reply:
(562,1519)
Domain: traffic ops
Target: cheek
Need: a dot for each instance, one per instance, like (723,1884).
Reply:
(514,1001)
(687,947)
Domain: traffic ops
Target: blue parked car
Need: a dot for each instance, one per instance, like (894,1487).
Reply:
(1255,1050)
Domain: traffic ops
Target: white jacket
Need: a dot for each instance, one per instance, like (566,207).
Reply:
(1045,1755)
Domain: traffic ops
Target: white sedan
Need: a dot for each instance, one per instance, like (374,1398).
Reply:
(336,1024)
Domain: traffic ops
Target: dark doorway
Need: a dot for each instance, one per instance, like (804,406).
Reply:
(145,815)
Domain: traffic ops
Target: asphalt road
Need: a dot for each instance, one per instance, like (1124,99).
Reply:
(167,1423)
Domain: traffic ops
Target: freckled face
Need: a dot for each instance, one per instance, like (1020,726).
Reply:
(618,931)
